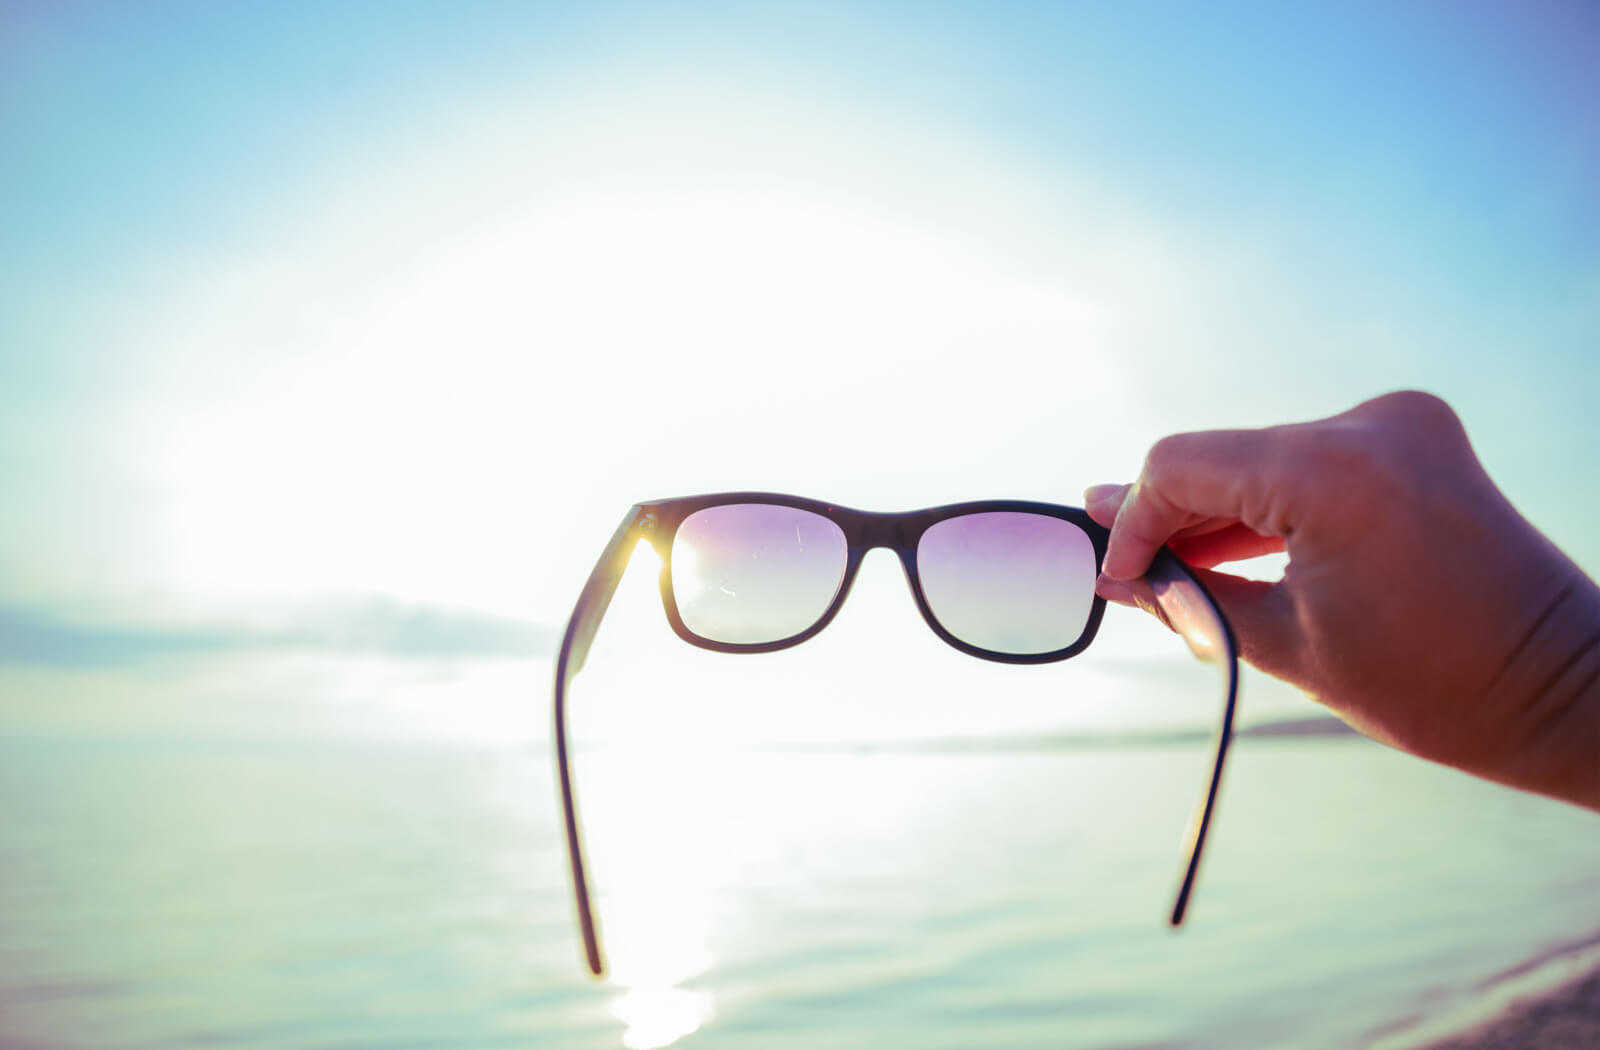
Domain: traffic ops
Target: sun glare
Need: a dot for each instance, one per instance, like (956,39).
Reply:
(687,582)
(658,876)
(414,439)
(656,1016)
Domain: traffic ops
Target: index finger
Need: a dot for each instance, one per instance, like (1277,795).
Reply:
(1228,474)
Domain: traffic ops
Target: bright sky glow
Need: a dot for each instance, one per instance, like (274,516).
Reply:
(343,300)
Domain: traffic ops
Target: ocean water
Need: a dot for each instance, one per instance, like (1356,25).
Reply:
(229,892)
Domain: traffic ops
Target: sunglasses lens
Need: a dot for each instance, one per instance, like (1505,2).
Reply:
(750,573)
(1009,582)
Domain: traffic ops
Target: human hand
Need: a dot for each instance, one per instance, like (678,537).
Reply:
(1417,603)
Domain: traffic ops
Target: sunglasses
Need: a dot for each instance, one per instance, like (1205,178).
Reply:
(1004,580)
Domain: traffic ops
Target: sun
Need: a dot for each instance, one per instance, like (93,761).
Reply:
(456,426)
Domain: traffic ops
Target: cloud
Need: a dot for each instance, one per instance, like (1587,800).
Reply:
(38,636)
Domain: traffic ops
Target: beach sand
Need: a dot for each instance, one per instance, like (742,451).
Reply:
(1565,1018)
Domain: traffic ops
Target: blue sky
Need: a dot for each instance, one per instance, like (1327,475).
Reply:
(402,305)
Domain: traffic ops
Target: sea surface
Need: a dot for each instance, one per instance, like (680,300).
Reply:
(232,892)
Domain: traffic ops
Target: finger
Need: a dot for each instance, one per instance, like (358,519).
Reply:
(1187,479)
(1264,620)
(1262,616)
(1234,542)
(1103,501)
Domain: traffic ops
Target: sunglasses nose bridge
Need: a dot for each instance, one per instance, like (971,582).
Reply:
(879,530)
(892,532)
(896,533)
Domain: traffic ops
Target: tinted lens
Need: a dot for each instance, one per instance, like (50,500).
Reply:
(1007,581)
(755,572)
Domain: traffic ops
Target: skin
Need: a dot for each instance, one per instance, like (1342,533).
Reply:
(1418,604)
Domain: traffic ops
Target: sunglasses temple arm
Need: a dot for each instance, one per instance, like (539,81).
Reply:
(575,643)
(1195,616)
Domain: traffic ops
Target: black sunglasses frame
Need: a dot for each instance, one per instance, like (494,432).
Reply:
(863,531)
(1170,588)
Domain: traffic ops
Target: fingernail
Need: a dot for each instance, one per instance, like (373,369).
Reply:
(1097,494)
(1114,591)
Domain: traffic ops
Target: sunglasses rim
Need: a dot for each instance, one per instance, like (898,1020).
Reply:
(864,531)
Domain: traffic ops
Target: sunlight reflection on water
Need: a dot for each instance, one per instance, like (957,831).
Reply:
(297,895)
(659,1016)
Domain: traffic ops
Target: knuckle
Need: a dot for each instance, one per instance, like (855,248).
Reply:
(1415,432)
(1388,451)
(1414,402)
(1416,416)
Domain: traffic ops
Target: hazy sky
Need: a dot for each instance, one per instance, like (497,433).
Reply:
(394,303)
